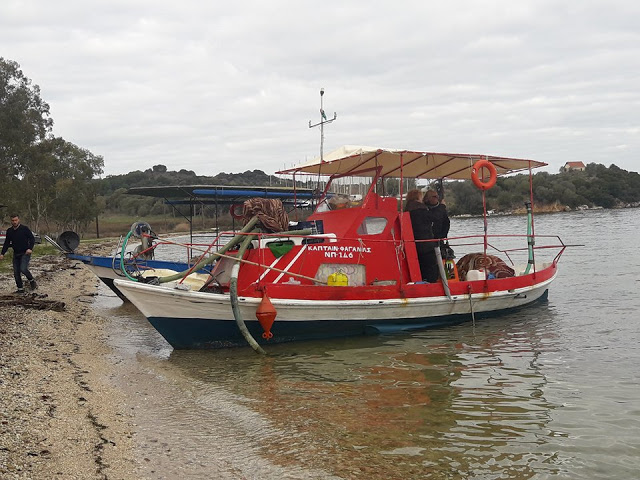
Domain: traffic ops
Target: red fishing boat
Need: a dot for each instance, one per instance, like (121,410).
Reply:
(351,267)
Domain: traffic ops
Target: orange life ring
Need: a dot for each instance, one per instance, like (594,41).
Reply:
(475,172)
(232,211)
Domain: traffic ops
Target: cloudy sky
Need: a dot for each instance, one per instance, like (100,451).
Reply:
(231,86)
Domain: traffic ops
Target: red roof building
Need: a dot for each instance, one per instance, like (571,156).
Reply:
(569,166)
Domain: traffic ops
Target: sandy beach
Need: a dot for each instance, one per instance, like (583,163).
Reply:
(60,417)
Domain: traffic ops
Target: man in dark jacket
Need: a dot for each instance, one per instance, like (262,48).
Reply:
(422,223)
(441,222)
(20,238)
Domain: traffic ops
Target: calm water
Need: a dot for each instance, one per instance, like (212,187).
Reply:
(552,391)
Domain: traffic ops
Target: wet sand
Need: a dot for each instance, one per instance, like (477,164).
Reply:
(59,415)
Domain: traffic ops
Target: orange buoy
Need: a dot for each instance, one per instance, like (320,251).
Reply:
(475,174)
(266,315)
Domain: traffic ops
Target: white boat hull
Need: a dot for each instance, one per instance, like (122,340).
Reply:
(188,319)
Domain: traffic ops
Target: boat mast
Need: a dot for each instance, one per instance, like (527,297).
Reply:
(322,122)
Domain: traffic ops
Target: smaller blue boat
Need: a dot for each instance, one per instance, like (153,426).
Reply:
(107,269)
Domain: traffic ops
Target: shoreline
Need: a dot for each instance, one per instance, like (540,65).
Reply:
(61,417)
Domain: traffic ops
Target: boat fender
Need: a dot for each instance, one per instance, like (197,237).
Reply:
(234,214)
(266,314)
(475,174)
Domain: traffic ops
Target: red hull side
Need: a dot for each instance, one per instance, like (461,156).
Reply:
(377,292)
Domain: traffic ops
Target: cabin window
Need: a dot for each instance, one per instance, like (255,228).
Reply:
(339,201)
(372,226)
(322,207)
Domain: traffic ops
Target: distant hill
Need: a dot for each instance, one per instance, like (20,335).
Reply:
(596,186)
(113,200)
(160,176)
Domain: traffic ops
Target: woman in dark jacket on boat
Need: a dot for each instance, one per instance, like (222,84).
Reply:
(422,222)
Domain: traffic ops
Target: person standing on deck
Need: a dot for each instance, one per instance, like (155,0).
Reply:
(422,223)
(441,222)
(20,238)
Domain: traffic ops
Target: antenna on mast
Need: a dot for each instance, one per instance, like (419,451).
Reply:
(323,121)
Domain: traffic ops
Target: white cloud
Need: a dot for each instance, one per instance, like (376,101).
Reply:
(231,87)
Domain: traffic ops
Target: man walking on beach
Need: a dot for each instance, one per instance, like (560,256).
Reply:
(20,238)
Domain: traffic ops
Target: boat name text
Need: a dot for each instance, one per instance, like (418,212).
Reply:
(338,251)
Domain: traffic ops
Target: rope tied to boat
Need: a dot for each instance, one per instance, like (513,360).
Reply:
(361,249)
(398,247)
(473,316)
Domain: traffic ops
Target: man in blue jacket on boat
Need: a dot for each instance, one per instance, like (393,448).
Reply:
(20,238)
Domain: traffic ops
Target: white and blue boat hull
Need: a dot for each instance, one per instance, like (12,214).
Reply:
(198,320)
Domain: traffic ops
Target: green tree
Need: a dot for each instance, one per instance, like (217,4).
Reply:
(46,178)
(468,199)
(24,120)
(57,187)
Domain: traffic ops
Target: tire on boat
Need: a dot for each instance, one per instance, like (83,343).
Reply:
(234,214)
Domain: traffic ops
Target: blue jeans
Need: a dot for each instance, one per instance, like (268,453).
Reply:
(21,266)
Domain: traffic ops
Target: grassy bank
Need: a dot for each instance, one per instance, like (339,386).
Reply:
(116,225)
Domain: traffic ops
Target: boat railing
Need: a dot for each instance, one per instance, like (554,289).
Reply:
(200,251)
(263,238)
(134,259)
(538,243)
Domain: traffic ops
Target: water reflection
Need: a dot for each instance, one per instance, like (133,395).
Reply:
(128,329)
(458,401)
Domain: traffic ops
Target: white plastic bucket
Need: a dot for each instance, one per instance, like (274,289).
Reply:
(476,275)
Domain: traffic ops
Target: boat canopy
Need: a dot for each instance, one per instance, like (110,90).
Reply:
(360,161)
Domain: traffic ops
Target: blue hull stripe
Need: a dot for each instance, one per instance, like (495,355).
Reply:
(108,262)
